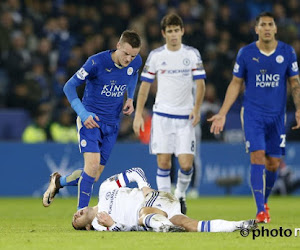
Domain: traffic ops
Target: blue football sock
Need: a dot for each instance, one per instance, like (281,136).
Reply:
(270,180)
(71,179)
(85,187)
(257,184)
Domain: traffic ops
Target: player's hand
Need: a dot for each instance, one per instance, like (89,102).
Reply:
(218,122)
(91,123)
(104,219)
(195,116)
(297,117)
(128,107)
(138,125)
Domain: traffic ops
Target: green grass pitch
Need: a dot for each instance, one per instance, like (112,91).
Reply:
(26,224)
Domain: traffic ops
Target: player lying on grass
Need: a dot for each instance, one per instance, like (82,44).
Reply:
(143,209)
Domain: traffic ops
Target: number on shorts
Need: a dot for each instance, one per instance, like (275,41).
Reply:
(282,144)
(193,146)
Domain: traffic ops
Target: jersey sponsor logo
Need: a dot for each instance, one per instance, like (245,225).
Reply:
(82,74)
(113,90)
(267,80)
(83,143)
(108,70)
(129,71)
(279,59)
(236,68)
(295,66)
(186,61)
(255,59)
(184,72)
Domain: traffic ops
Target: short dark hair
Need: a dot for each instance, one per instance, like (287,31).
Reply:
(78,228)
(171,19)
(131,37)
(263,14)
(82,228)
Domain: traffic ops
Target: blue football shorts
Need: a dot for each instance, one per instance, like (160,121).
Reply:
(264,132)
(97,140)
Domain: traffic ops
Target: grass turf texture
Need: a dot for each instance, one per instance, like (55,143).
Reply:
(26,224)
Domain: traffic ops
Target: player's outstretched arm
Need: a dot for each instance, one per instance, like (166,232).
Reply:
(295,88)
(233,90)
(138,122)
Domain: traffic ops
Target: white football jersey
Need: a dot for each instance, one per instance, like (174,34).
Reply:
(175,72)
(121,204)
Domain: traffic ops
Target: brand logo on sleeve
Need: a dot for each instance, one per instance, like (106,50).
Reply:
(295,66)
(236,68)
(82,74)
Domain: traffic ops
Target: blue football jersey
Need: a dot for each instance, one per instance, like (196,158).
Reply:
(265,77)
(106,84)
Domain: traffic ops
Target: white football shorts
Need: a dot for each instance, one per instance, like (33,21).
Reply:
(164,201)
(172,136)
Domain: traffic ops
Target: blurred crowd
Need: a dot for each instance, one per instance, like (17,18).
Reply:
(44,42)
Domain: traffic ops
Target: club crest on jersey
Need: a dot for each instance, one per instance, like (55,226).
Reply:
(186,61)
(279,59)
(129,71)
(82,74)
(83,143)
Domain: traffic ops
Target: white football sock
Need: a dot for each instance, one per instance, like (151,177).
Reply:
(183,181)
(163,180)
(218,226)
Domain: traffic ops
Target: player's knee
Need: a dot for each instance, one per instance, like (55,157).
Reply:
(93,169)
(186,165)
(258,157)
(272,164)
(164,164)
(150,210)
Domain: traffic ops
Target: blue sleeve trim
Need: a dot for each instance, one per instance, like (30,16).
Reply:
(199,77)
(142,78)
(77,105)
(125,178)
